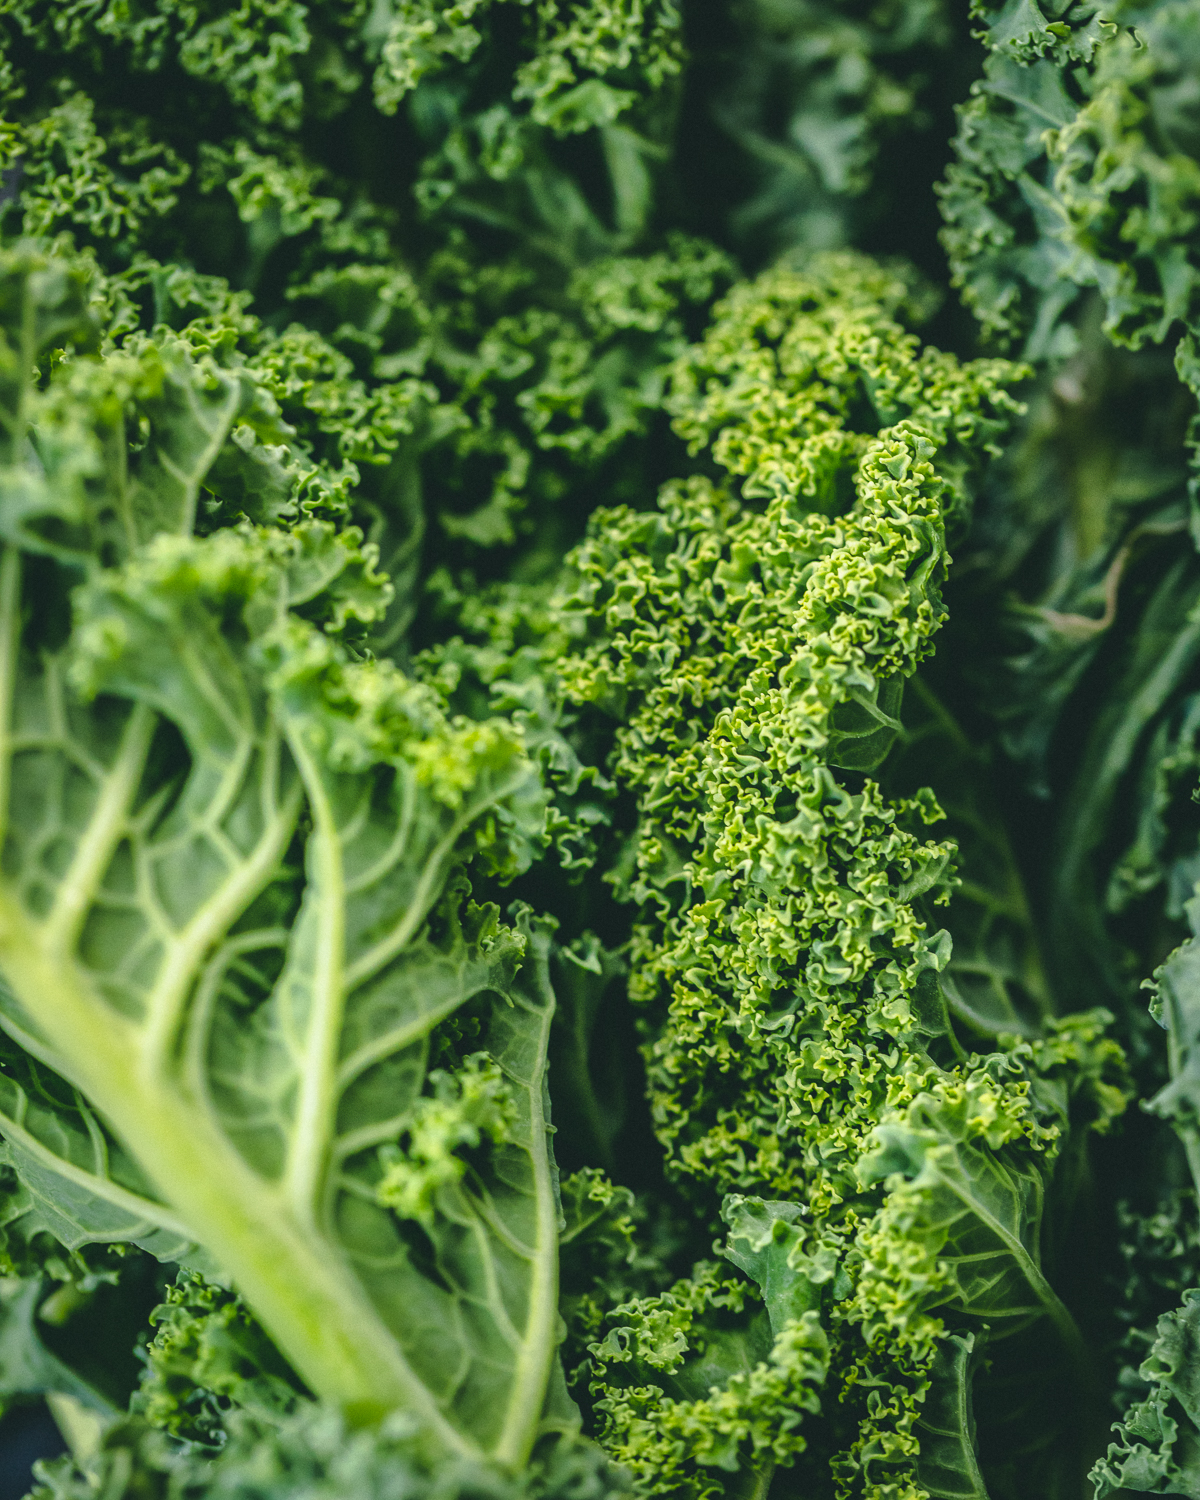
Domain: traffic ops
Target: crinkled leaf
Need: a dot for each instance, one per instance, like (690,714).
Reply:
(232,926)
(1157,1447)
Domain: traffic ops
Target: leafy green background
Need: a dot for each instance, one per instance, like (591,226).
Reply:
(855,773)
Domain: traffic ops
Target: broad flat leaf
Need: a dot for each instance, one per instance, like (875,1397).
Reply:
(480,1330)
(976,1212)
(85,1188)
(586,1052)
(1142,679)
(233,917)
(948,1466)
(764,1241)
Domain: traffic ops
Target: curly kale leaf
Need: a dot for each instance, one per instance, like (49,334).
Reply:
(1157,1446)
(235,913)
(208,1355)
(581,55)
(966,1228)
(482,336)
(701,1381)
(1002,225)
(1089,672)
(811,96)
(742,650)
(748,644)
(1157,1449)
(316,1451)
(1077,167)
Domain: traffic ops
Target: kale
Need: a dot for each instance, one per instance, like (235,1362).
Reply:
(599,747)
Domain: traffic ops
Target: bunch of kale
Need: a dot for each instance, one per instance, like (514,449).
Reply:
(552,943)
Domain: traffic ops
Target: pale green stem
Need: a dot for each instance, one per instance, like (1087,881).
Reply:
(538,1348)
(106,827)
(762,1482)
(308,1154)
(301,1289)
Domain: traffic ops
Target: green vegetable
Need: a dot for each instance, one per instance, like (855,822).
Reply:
(289,875)
(591,772)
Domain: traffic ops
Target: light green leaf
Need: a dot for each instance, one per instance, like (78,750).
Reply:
(1019,21)
(968,1213)
(764,1242)
(234,916)
(85,1188)
(72,484)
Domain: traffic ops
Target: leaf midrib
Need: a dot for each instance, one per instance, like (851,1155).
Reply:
(1047,1297)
